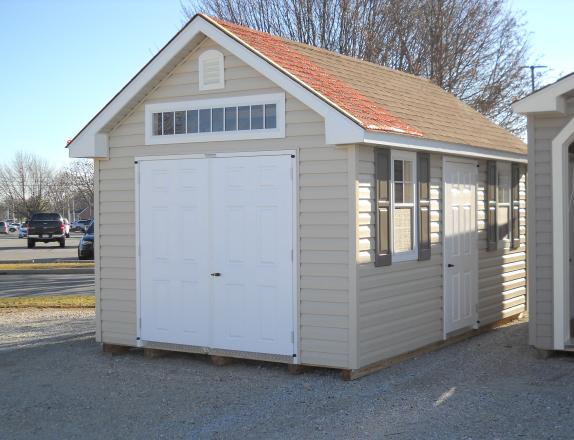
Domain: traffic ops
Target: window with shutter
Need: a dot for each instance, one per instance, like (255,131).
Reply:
(515,204)
(382,207)
(423,196)
(211,70)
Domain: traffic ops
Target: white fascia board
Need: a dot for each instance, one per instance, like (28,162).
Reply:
(84,145)
(432,146)
(548,99)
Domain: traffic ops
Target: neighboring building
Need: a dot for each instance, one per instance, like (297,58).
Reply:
(550,113)
(321,210)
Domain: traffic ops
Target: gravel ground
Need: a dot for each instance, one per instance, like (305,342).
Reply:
(55,383)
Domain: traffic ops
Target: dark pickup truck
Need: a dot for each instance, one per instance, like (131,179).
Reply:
(46,227)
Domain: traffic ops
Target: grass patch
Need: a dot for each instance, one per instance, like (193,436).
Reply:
(30,266)
(49,301)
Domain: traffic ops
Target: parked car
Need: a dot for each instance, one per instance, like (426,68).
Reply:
(13,227)
(3,228)
(46,227)
(80,225)
(23,230)
(86,246)
(67,228)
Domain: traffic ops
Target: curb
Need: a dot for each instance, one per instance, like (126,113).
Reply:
(80,271)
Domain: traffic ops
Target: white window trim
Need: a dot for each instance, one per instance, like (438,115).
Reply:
(272,98)
(412,254)
(208,55)
(504,168)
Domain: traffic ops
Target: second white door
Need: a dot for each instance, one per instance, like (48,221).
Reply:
(460,245)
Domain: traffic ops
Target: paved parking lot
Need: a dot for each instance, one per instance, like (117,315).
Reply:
(57,384)
(13,248)
(46,284)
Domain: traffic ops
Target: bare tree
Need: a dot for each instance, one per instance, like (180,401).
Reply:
(471,48)
(25,184)
(80,176)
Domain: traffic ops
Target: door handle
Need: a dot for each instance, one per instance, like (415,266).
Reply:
(215,274)
(450,265)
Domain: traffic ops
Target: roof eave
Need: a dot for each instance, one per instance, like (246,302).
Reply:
(549,99)
(440,147)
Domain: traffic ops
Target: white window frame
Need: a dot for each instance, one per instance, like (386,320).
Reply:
(209,55)
(273,133)
(506,169)
(411,255)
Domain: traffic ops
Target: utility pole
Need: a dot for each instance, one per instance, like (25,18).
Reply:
(532,68)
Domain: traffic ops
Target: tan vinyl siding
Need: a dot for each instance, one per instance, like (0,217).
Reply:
(399,306)
(542,130)
(502,272)
(323,211)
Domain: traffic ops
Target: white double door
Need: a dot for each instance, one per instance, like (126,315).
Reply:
(460,245)
(216,240)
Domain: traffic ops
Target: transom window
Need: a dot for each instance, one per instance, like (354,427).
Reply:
(403,202)
(218,119)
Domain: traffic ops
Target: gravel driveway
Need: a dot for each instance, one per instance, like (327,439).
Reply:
(55,383)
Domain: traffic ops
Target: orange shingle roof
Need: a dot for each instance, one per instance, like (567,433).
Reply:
(376,97)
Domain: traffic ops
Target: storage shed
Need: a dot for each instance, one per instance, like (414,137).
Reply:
(261,198)
(550,113)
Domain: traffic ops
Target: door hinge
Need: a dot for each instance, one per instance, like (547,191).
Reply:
(291,173)
(292,337)
(291,254)
(140,322)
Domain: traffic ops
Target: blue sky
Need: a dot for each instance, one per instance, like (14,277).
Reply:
(63,60)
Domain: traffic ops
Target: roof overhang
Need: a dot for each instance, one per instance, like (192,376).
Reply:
(549,99)
(92,141)
(440,147)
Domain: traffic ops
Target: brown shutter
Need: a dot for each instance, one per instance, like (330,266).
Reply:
(423,204)
(515,206)
(383,202)
(491,227)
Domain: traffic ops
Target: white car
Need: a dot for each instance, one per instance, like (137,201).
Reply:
(67,228)
(13,227)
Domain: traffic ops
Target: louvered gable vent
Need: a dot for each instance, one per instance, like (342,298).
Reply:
(211,70)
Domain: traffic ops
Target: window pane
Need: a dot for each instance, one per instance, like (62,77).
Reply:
(217,119)
(504,188)
(399,192)
(157,124)
(408,189)
(204,120)
(407,171)
(270,116)
(179,122)
(256,117)
(402,230)
(398,170)
(230,118)
(192,126)
(243,117)
(168,123)
(503,221)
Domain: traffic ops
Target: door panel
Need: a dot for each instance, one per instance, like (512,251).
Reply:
(174,281)
(460,245)
(252,242)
